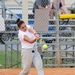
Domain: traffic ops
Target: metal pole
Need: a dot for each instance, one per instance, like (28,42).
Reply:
(17,55)
(25,11)
(57,35)
(3,9)
(11,54)
(18,2)
(5,55)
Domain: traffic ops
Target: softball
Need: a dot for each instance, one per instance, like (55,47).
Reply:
(45,47)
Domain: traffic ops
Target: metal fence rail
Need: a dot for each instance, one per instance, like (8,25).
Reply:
(10,55)
(67,48)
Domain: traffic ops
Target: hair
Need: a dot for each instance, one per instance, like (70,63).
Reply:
(19,22)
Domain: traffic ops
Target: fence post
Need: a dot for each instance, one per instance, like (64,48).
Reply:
(3,9)
(25,11)
(57,35)
(5,55)
(11,54)
(17,55)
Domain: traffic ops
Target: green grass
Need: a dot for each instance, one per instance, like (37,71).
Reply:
(2,58)
(14,59)
(48,61)
(11,60)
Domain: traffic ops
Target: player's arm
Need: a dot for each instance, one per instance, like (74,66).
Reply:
(34,32)
(31,29)
(29,40)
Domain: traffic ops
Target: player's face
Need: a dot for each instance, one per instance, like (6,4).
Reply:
(23,27)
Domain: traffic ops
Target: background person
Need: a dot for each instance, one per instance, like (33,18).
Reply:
(43,4)
(62,7)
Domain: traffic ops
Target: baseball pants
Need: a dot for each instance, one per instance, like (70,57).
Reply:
(27,58)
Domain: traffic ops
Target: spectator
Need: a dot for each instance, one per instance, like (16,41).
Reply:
(43,4)
(62,7)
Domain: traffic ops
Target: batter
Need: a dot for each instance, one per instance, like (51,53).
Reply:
(28,37)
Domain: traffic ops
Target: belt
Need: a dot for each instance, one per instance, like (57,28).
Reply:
(33,51)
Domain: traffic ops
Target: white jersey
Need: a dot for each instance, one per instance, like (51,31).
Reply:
(30,35)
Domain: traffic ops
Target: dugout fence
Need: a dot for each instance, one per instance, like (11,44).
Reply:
(60,37)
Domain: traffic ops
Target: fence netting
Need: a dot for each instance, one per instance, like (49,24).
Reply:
(10,47)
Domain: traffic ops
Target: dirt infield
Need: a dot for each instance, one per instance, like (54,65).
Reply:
(48,71)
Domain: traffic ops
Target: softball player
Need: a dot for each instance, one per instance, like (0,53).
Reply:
(28,37)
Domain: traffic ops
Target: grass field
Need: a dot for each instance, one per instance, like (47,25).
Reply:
(12,59)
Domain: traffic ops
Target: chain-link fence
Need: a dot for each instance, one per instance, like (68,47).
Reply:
(10,46)
(10,55)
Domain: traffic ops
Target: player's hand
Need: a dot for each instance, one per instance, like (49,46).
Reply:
(37,38)
(37,35)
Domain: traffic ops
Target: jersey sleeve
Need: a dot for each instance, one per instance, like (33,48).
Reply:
(21,36)
(28,26)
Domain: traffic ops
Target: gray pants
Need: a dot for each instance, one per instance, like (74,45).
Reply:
(27,58)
